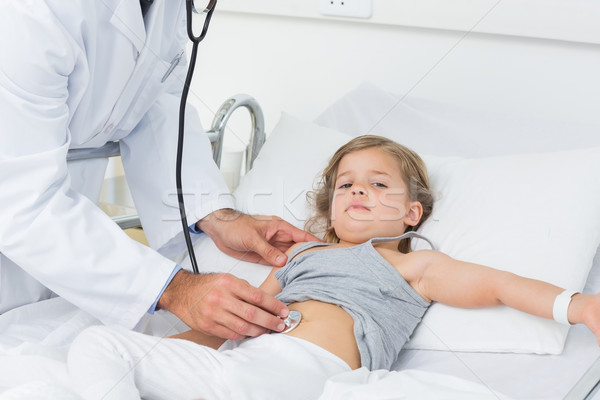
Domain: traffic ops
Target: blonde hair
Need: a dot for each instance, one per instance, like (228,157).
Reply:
(414,174)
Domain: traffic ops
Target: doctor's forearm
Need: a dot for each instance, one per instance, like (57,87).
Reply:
(211,222)
(173,292)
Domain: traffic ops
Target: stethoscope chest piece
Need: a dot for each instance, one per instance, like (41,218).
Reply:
(292,321)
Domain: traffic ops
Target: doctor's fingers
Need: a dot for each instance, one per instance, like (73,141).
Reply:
(235,328)
(239,307)
(272,238)
(276,230)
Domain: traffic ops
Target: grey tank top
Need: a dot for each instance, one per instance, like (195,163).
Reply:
(385,308)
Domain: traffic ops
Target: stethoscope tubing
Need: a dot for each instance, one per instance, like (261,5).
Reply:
(182,105)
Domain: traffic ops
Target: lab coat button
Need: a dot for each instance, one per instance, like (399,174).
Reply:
(108,129)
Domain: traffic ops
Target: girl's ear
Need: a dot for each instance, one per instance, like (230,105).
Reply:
(414,213)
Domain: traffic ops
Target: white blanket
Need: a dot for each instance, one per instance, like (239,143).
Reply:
(362,384)
(34,341)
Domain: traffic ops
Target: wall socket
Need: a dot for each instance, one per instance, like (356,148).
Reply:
(346,8)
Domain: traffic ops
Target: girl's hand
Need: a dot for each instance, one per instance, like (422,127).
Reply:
(585,308)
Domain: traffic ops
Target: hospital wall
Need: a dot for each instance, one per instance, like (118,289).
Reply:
(539,58)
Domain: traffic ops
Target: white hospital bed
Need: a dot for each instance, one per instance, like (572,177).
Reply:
(34,339)
(295,152)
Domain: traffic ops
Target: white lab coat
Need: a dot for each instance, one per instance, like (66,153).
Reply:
(76,74)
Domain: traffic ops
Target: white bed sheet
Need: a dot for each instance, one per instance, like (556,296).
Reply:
(34,342)
(520,376)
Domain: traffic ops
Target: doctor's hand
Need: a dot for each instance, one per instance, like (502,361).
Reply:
(222,305)
(262,239)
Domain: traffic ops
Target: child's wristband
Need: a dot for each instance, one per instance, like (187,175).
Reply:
(561,306)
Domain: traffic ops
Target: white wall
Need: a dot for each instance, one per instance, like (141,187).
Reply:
(301,65)
(571,20)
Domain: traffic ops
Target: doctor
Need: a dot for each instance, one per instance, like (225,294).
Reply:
(78,74)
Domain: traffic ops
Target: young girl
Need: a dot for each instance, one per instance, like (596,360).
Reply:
(360,296)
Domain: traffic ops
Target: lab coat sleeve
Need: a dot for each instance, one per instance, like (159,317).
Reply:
(149,159)
(54,233)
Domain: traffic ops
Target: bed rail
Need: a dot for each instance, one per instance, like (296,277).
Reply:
(588,385)
(215,134)
(257,134)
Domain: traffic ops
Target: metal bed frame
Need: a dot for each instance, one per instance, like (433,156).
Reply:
(588,385)
(215,134)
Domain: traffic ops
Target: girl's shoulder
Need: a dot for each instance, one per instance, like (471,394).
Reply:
(412,265)
(293,248)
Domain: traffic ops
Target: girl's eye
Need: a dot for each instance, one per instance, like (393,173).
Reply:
(379,184)
(346,186)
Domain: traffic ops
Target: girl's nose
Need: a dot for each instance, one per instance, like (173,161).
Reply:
(358,191)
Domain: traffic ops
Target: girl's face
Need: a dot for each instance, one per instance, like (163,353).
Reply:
(370,198)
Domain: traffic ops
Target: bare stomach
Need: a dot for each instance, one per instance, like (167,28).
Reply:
(329,327)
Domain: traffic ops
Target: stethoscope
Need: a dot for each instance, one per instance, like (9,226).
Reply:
(294,317)
(196,39)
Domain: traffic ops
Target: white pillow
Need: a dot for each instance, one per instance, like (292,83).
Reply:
(536,215)
(286,169)
(430,126)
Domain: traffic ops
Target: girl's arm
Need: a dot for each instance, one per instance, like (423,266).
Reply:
(271,285)
(469,285)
